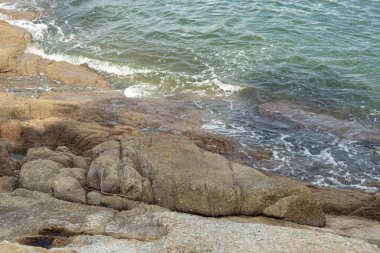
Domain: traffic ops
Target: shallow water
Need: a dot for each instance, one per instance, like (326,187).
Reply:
(227,57)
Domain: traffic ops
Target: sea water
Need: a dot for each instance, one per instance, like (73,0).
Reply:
(228,57)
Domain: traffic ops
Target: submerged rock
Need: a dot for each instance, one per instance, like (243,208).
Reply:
(302,117)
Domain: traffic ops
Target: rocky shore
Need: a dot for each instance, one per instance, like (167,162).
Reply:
(85,169)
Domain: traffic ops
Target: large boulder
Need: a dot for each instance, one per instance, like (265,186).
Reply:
(7,164)
(51,177)
(104,175)
(39,175)
(175,173)
(68,188)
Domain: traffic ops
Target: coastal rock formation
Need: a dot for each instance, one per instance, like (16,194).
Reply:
(301,117)
(54,172)
(174,173)
(348,202)
(66,227)
(14,41)
(71,74)
(62,155)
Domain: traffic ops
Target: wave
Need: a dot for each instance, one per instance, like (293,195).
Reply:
(38,31)
(102,66)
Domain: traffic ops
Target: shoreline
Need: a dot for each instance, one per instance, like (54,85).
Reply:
(92,125)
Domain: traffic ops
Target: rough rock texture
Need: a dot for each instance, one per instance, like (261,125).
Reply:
(62,155)
(302,117)
(228,148)
(51,177)
(7,164)
(112,201)
(32,65)
(13,42)
(39,175)
(174,173)
(71,74)
(82,228)
(348,202)
(8,184)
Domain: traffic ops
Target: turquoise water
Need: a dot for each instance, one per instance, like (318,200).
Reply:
(227,57)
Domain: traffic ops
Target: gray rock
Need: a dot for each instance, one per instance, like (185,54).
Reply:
(7,165)
(68,188)
(39,175)
(62,155)
(8,184)
(104,174)
(47,154)
(112,201)
(109,148)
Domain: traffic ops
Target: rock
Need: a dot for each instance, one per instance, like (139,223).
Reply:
(115,202)
(351,226)
(372,211)
(71,74)
(7,165)
(83,228)
(104,174)
(174,173)
(13,42)
(8,184)
(52,178)
(78,174)
(9,247)
(347,202)
(68,188)
(32,65)
(300,209)
(47,154)
(301,117)
(109,148)
(39,175)
(21,15)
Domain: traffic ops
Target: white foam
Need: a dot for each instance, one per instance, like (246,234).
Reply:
(139,90)
(102,66)
(38,31)
(219,86)
(8,6)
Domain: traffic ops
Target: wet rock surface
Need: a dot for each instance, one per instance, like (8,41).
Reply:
(301,117)
(13,60)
